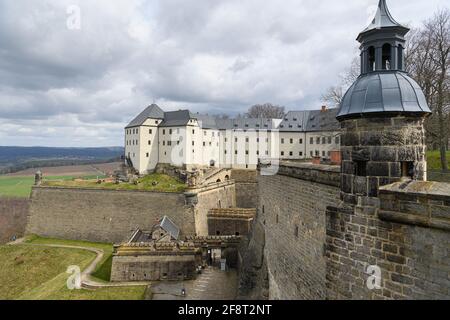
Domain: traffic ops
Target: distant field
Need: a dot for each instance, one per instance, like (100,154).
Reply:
(19,184)
(82,170)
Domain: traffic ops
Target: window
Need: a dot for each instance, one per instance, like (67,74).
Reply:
(291,153)
(277,220)
(225,151)
(337,140)
(300,154)
(282,153)
(296,231)
(204,143)
(371,59)
(292,141)
(400,57)
(164,131)
(149,142)
(150,131)
(193,143)
(164,143)
(204,133)
(324,140)
(170,131)
(247,139)
(323,154)
(169,143)
(235,152)
(361,168)
(236,140)
(386,58)
(257,153)
(311,153)
(317,153)
(300,141)
(148,155)
(193,131)
(329,140)
(311,140)
(282,141)
(246,152)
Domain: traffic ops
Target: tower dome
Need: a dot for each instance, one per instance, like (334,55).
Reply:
(383,86)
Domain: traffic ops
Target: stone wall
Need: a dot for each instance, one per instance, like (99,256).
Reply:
(103,215)
(246,188)
(219,195)
(230,222)
(112,216)
(13,218)
(291,209)
(408,238)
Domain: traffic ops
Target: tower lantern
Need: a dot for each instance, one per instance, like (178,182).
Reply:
(382,115)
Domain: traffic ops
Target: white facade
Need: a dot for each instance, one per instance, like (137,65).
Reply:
(187,140)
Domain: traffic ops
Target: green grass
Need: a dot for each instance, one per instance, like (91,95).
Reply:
(39,273)
(103,270)
(434,160)
(21,186)
(164,183)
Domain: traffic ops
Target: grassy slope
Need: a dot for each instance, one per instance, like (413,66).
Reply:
(38,273)
(165,183)
(21,186)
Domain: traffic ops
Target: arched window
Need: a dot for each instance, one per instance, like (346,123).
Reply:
(386,60)
(371,59)
(400,57)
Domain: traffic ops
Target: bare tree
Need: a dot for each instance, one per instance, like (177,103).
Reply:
(428,61)
(266,110)
(334,95)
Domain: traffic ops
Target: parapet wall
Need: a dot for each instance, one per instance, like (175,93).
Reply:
(103,215)
(13,218)
(292,210)
(112,216)
(408,238)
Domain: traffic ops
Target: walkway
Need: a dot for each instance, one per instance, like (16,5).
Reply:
(212,284)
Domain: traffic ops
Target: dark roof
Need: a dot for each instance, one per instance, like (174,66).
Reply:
(383,19)
(294,121)
(176,118)
(167,225)
(152,112)
(309,121)
(383,91)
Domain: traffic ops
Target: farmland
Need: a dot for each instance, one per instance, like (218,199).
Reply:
(19,184)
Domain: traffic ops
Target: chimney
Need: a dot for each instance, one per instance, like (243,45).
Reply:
(324,108)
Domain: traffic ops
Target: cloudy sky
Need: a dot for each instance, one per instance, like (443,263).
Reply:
(61,85)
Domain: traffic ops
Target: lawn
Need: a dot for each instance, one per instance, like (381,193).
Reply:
(153,182)
(11,186)
(434,160)
(39,273)
(434,167)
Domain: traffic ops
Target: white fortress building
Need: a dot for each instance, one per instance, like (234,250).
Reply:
(187,140)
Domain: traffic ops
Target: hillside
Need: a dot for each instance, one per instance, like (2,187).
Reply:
(13,159)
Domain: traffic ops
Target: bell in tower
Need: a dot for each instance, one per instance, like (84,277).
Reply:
(382,115)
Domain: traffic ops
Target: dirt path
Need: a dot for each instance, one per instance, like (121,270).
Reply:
(86,276)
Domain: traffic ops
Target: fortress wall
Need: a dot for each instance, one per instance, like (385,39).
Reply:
(407,235)
(246,188)
(296,197)
(219,195)
(103,215)
(13,218)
